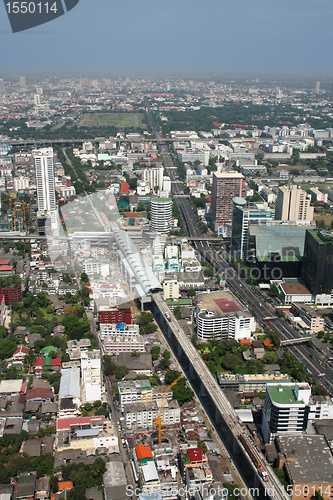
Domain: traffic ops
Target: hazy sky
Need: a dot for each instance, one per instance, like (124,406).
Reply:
(222,36)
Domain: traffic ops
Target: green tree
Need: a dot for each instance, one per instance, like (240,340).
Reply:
(177,313)
(202,446)
(280,474)
(232,488)
(121,371)
(109,365)
(155,351)
(54,484)
(150,328)
(84,278)
(181,392)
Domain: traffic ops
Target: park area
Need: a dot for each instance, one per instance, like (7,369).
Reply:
(119,120)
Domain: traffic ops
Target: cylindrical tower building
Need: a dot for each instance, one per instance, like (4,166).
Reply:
(161,214)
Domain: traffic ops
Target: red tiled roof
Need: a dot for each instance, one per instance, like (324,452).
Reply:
(194,454)
(245,342)
(143,451)
(6,268)
(24,387)
(21,349)
(124,187)
(62,485)
(39,394)
(65,423)
(56,362)
(4,262)
(38,362)
(267,342)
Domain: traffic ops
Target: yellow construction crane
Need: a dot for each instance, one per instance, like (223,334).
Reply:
(23,208)
(14,214)
(158,421)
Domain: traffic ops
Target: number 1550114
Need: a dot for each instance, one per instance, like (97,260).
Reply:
(31,7)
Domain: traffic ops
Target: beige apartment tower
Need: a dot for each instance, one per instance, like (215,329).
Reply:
(293,203)
(226,186)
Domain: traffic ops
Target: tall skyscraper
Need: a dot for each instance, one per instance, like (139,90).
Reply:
(317,87)
(293,203)
(243,216)
(45,182)
(226,186)
(317,269)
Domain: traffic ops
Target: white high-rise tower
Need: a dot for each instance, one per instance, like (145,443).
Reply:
(45,182)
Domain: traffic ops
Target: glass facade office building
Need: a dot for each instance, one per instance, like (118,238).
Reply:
(318,261)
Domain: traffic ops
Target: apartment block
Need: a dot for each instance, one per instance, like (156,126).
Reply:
(226,186)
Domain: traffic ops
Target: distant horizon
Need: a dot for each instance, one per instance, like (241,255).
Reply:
(229,37)
(234,77)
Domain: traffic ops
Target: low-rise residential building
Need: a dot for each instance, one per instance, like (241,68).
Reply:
(141,365)
(312,318)
(143,415)
(140,391)
(20,353)
(114,344)
(69,393)
(91,434)
(240,382)
(94,267)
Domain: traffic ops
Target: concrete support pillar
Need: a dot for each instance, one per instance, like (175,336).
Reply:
(191,371)
(179,351)
(235,445)
(256,480)
(202,388)
(217,416)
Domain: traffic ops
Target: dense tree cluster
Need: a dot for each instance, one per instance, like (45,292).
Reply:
(83,477)
(111,368)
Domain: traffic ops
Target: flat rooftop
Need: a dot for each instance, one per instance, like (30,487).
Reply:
(229,175)
(283,394)
(295,289)
(221,303)
(314,460)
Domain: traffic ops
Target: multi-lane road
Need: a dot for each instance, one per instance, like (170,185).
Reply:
(310,357)
(315,359)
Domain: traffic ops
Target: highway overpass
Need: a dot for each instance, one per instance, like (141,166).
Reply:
(229,426)
(298,340)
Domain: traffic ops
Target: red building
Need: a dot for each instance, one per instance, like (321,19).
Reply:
(112,314)
(124,188)
(12,293)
